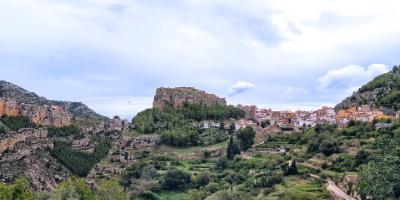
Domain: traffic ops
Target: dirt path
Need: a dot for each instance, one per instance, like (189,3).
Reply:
(336,192)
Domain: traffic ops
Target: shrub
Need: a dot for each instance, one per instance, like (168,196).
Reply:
(329,147)
(175,180)
(2,130)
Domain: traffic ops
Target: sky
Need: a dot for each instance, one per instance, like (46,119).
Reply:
(113,54)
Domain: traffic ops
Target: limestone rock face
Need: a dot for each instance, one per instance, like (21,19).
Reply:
(16,101)
(8,107)
(47,115)
(177,97)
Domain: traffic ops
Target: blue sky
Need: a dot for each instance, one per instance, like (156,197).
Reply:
(113,54)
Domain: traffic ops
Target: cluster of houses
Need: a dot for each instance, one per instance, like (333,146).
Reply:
(324,115)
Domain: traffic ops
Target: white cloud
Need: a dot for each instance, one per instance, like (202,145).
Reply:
(239,87)
(349,78)
(141,45)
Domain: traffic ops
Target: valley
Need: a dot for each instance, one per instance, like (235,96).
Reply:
(193,145)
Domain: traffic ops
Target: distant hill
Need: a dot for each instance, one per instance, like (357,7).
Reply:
(15,100)
(383,92)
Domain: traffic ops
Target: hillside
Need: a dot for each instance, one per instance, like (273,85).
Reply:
(383,92)
(47,141)
(16,101)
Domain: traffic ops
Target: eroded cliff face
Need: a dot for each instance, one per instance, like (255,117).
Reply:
(15,101)
(46,115)
(177,97)
(26,152)
(8,107)
(8,141)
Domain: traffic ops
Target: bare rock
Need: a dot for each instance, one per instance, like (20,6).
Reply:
(177,97)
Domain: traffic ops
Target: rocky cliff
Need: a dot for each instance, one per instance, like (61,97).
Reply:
(383,92)
(25,153)
(177,97)
(16,101)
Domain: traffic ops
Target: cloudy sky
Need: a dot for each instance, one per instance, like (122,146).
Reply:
(113,54)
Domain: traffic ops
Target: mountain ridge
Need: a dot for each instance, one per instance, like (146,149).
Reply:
(382,92)
(15,100)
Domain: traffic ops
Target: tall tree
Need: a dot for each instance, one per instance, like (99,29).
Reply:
(232,149)
(246,137)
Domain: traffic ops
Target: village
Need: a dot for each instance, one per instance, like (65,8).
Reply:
(293,120)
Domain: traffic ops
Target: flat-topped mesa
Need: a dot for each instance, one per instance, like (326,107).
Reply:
(177,97)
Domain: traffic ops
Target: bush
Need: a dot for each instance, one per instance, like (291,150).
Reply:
(176,180)
(2,130)
(329,147)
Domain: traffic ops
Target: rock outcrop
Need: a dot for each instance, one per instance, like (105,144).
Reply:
(8,141)
(383,92)
(177,97)
(146,141)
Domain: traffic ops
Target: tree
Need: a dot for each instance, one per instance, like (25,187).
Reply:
(176,180)
(380,178)
(329,146)
(265,123)
(291,168)
(232,128)
(2,130)
(232,149)
(246,137)
(222,126)
(18,191)
(73,188)
(203,178)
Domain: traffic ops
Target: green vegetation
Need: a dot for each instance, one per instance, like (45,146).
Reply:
(77,161)
(379,81)
(233,149)
(2,130)
(246,137)
(108,189)
(17,191)
(178,126)
(216,112)
(389,95)
(17,122)
(64,131)
(185,136)
(380,178)
(175,180)
(156,120)
(73,188)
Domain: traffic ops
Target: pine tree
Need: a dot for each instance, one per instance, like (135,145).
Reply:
(232,149)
